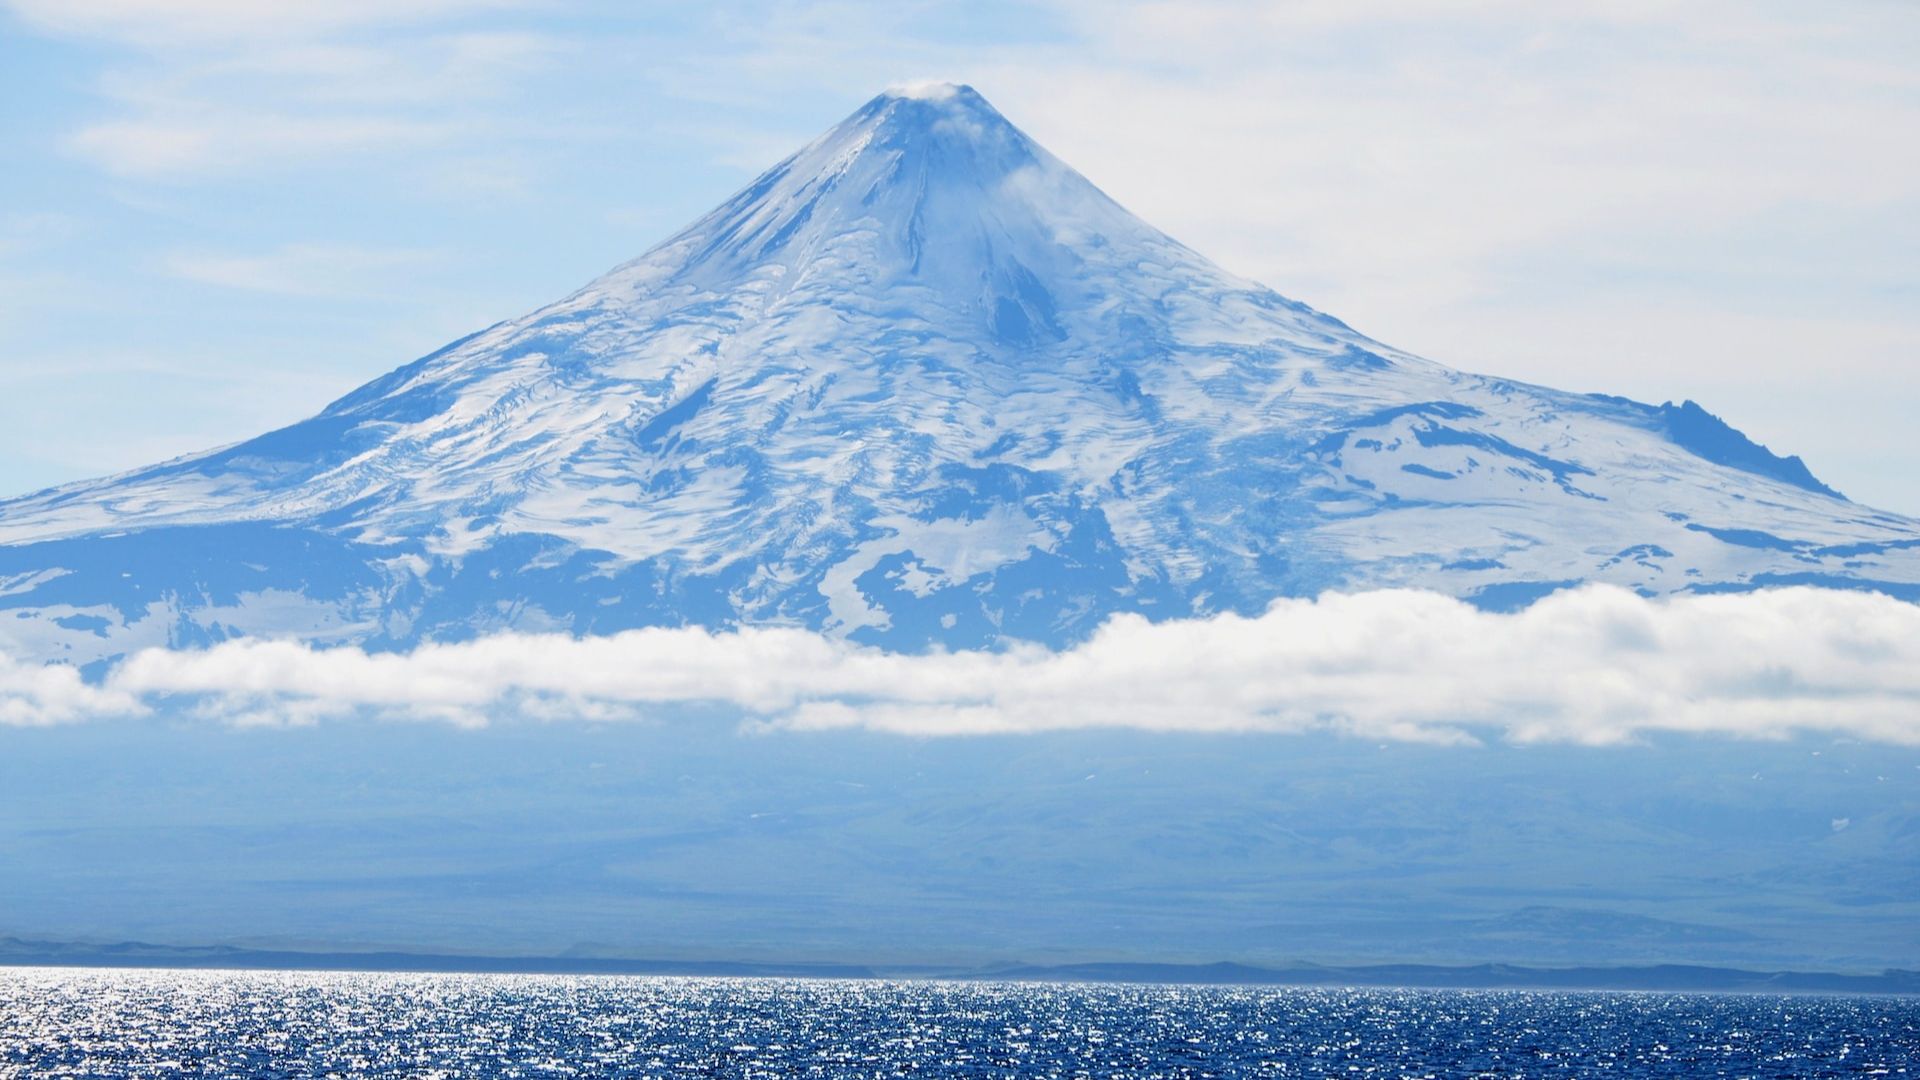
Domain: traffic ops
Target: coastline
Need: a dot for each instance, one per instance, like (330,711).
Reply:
(1679,978)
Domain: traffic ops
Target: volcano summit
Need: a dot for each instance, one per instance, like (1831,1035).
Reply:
(920,383)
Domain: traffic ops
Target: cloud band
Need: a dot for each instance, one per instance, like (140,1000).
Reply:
(1597,665)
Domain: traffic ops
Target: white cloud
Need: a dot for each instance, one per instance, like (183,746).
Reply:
(302,269)
(161,142)
(146,146)
(1597,665)
(37,695)
(220,88)
(1509,127)
(28,233)
(173,22)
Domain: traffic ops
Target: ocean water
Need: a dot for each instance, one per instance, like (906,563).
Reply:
(122,1023)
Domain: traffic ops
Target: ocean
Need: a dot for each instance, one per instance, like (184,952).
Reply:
(151,1023)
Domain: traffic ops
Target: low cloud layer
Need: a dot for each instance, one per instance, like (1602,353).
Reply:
(1597,665)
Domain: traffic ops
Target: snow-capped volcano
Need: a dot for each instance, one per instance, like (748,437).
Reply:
(918,383)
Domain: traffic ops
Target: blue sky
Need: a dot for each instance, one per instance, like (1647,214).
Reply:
(217,216)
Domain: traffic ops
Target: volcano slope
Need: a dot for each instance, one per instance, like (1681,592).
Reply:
(920,384)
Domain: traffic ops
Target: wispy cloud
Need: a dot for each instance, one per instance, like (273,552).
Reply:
(302,269)
(1594,666)
(173,142)
(1510,127)
(219,88)
(170,23)
(25,233)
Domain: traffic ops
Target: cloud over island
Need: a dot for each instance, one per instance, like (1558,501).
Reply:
(1597,665)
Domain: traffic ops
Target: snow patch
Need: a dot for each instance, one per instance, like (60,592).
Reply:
(925,90)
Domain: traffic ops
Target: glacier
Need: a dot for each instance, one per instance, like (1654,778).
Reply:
(918,385)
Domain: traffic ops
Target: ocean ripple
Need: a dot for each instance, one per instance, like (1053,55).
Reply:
(124,1023)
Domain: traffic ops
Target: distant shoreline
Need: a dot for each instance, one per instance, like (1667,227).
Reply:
(18,953)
